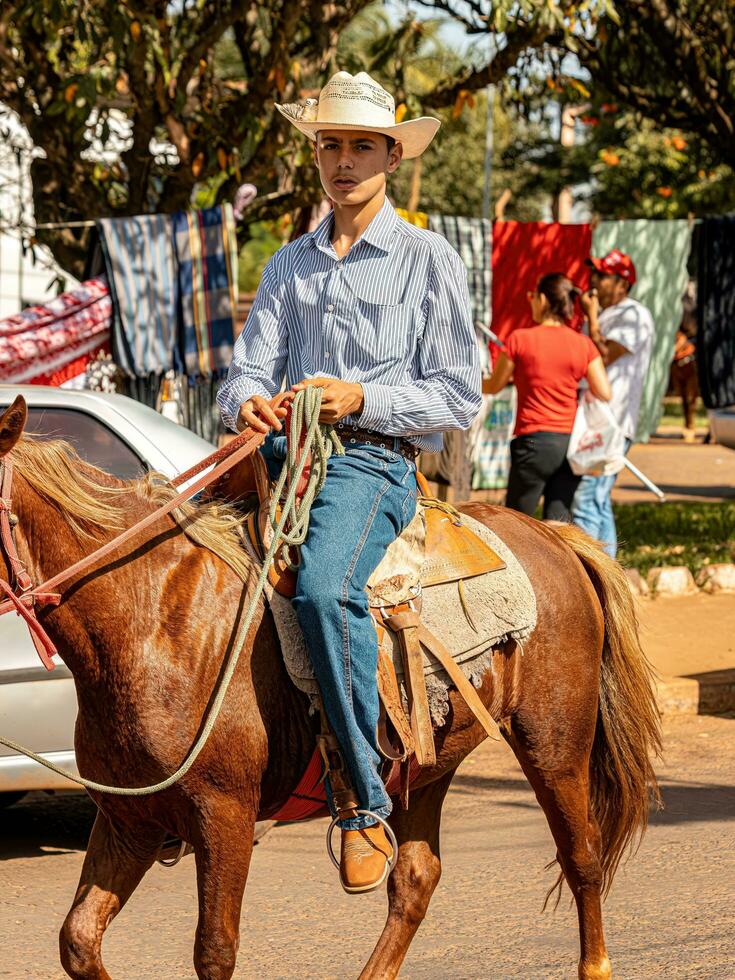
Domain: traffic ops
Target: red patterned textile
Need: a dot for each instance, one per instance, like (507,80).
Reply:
(70,370)
(42,343)
(525,251)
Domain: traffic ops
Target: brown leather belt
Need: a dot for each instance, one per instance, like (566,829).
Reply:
(352,434)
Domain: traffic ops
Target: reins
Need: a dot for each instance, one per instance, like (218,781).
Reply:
(243,446)
(306,438)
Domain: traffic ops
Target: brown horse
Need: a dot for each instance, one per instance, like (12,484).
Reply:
(146,634)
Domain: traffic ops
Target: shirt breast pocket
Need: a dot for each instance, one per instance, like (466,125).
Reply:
(385,328)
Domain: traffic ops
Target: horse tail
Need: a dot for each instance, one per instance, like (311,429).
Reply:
(628,734)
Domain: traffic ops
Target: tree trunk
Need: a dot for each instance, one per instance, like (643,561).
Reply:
(415,193)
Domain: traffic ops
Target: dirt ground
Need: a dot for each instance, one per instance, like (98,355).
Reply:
(669,915)
(688,634)
(683,471)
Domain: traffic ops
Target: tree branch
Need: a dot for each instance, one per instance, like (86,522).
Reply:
(519,41)
(657,63)
(477,26)
(209,30)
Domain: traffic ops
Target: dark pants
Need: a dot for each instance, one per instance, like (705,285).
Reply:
(685,383)
(538,465)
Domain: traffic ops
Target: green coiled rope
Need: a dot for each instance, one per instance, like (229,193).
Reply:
(321,441)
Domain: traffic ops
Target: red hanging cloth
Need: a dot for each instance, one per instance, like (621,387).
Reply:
(525,251)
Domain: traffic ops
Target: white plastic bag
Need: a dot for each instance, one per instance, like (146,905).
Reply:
(597,444)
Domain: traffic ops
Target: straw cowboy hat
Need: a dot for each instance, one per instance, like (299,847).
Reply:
(358,102)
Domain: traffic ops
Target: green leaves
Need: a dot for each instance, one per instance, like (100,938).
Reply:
(180,81)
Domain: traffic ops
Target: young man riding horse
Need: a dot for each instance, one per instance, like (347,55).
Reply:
(376,313)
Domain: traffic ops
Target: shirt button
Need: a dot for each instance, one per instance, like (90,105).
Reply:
(327,354)
(330,307)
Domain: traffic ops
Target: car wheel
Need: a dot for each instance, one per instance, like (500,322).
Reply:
(8,799)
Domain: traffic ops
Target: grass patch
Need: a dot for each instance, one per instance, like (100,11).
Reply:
(692,534)
(673,413)
(677,421)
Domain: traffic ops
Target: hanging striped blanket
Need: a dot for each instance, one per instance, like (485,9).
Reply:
(139,258)
(206,248)
(472,238)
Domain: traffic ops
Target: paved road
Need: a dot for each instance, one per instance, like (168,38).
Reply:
(670,914)
(684,472)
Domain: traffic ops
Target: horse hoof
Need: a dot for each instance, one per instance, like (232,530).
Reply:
(595,971)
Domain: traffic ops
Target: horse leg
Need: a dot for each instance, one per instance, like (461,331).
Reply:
(413,879)
(222,853)
(565,798)
(110,874)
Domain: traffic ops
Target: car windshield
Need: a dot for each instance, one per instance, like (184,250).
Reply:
(93,440)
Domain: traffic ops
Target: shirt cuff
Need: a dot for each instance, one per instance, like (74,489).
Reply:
(233,394)
(377,409)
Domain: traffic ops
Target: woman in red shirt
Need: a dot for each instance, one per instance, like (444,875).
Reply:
(546,363)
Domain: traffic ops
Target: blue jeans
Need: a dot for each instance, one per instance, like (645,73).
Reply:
(368,498)
(592,508)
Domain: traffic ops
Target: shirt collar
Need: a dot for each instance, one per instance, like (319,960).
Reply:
(322,234)
(379,232)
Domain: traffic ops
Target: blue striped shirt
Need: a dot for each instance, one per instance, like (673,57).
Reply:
(393,315)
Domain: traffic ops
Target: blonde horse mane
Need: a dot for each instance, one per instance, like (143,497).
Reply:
(93,501)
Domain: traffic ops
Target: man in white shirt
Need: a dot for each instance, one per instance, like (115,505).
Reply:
(622,330)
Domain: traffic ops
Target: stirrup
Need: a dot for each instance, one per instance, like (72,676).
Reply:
(386,827)
(171,862)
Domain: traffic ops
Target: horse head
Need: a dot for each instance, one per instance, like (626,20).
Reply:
(12,423)
(15,581)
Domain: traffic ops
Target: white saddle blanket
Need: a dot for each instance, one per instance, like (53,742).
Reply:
(502,605)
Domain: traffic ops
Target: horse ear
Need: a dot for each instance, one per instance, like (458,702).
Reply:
(12,423)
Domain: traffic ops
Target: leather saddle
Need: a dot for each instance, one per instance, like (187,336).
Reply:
(451,553)
(451,550)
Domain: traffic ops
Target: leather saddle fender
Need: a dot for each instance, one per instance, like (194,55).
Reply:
(453,551)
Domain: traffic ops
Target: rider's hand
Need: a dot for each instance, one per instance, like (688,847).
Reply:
(257,413)
(590,302)
(339,398)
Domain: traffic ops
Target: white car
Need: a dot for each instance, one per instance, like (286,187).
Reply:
(124,437)
(722,424)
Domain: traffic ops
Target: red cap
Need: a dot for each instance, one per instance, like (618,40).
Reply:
(615,263)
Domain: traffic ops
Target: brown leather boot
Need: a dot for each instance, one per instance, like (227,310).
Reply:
(365,859)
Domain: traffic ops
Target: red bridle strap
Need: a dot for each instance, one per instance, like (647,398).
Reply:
(17,568)
(23,603)
(306,472)
(24,606)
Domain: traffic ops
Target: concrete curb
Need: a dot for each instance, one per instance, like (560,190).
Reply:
(712,693)
(672,581)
